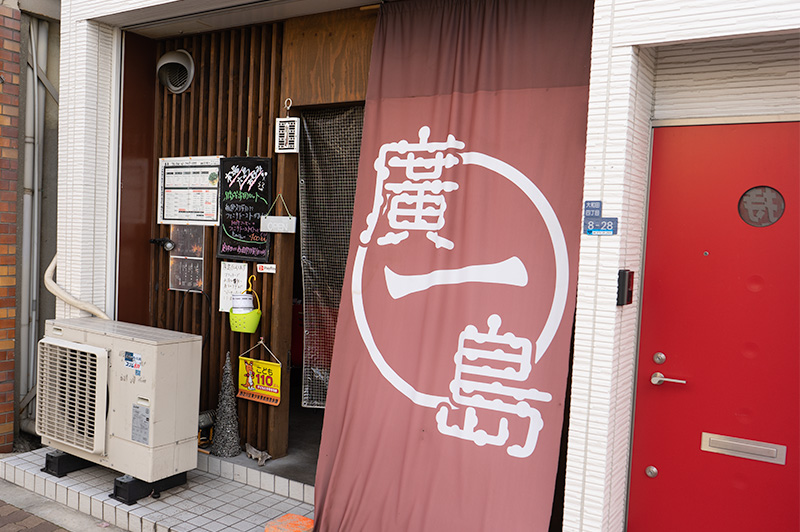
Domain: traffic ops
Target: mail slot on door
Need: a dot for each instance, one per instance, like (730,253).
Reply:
(752,449)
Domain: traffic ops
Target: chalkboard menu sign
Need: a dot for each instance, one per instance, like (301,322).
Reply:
(245,194)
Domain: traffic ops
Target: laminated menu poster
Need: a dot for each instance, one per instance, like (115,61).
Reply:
(245,195)
(188,190)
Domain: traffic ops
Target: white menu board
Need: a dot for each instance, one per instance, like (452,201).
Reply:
(232,280)
(188,190)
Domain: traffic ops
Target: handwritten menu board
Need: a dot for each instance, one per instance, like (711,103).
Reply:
(245,195)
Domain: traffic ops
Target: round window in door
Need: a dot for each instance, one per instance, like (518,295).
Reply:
(761,206)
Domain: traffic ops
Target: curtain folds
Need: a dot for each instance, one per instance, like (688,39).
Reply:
(449,371)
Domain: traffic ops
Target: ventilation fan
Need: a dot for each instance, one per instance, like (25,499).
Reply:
(120,395)
(176,70)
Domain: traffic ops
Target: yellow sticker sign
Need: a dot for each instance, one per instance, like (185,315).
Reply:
(260,381)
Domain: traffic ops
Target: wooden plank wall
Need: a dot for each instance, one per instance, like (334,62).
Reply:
(329,56)
(233,98)
(236,95)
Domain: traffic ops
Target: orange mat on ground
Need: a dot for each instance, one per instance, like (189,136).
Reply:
(290,523)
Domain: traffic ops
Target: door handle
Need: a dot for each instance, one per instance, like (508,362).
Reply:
(658,379)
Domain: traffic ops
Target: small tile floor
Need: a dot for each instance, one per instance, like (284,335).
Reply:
(218,495)
(12,518)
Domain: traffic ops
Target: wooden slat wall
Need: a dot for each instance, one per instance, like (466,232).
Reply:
(233,98)
(236,95)
(325,60)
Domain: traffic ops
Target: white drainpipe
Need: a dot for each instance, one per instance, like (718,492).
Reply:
(40,62)
(27,212)
(31,206)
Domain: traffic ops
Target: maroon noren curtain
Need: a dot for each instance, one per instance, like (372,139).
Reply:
(446,395)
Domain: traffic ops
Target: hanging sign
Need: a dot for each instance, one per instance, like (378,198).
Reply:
(188,190)
(286,135)
(260,381)
(287,131)
(278,224)
(245,195)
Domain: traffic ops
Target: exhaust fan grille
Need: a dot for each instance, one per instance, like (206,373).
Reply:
(71,394)
(176,76)
(176,70)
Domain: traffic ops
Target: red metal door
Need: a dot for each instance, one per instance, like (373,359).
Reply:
(720,310)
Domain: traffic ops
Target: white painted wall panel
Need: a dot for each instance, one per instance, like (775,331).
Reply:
(746,77)
(642,22)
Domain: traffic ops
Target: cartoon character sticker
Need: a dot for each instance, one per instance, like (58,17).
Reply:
(249,374)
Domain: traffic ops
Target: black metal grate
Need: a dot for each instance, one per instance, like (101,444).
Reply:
(329,153)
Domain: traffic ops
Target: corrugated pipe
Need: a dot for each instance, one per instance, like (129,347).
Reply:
(28,424)
(65,296)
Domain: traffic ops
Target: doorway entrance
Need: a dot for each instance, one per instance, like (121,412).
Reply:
(329,156)
(328,166)
(717,420)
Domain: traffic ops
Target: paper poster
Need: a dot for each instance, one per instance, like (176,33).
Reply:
(232,280)
(188,190)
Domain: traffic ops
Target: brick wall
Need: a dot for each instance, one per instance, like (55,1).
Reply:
(9,154)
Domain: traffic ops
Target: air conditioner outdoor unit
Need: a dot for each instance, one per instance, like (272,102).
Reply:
(120,395)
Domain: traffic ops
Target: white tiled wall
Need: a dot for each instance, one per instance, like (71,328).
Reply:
(142,9)
(85,137)
(618,137)
(639,22)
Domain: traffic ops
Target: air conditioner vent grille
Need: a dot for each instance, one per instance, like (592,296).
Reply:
(71,394)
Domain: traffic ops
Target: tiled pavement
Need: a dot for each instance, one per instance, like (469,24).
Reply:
(219,495)
(12,519)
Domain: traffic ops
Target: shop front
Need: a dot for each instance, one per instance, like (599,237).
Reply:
(652,271)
